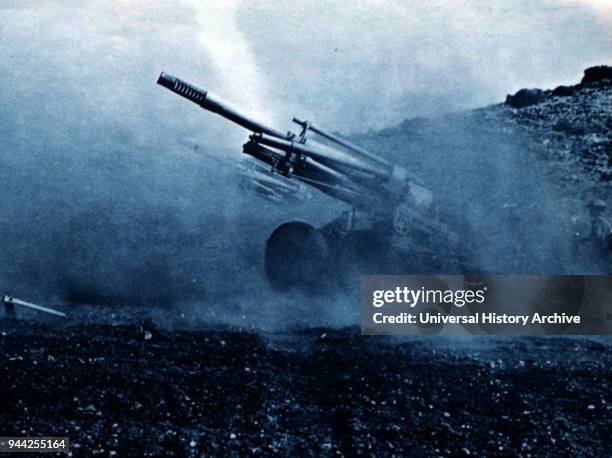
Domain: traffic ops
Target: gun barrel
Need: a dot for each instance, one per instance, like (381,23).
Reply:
(326,155)
(215,104)
(342,142)
(351,173)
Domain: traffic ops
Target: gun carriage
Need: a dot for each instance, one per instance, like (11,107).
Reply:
(392,226)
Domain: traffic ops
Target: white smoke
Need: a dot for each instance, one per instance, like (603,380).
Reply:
(244,85)
(371,64)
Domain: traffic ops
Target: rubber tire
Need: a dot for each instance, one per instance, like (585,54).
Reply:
(297,257)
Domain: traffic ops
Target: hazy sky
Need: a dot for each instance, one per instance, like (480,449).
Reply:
(348,65)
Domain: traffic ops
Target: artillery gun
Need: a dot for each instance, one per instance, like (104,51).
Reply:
(393,225)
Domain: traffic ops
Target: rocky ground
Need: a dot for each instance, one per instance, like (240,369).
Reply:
(135,390)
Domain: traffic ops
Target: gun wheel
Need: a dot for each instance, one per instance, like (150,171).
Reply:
(296,258)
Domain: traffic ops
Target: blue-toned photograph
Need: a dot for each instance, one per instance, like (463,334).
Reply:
(320,228)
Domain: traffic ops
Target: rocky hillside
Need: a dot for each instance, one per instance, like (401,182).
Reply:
(565,125)
(572,123)
(519,173)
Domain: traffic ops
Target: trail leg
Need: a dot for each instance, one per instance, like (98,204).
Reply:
(9,310)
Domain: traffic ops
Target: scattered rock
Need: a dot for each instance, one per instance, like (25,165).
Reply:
(597,73)
(525,98)
(563,91)
(327,400)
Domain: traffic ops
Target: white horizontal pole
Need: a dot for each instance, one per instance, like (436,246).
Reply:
(12,300)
